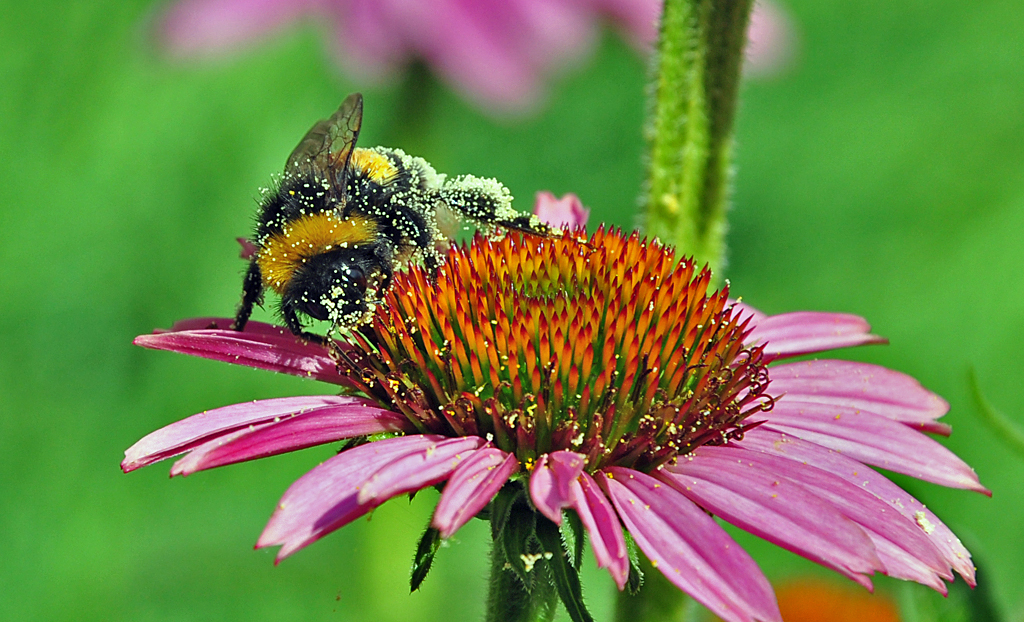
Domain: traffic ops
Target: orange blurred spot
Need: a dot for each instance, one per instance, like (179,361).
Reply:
(817,600)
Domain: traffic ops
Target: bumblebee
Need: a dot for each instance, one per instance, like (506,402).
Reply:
(329,237)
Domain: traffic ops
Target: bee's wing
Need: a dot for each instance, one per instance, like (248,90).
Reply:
(327,146)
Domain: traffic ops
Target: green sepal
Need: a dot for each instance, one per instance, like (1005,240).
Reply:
(567,580)
(521,585)
(636,575)
(350,443)
(501,506)
(519,542)
(575,537)
(425,552)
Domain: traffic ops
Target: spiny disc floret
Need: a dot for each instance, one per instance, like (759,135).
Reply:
(608,346)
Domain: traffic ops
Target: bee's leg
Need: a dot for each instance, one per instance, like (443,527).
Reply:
(528,223)
(385,256)
(252,294)
(291,320)
(431,262)
(488,202)
(387,273)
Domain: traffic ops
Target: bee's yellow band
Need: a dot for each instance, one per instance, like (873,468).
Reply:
(377,167)
(283,253)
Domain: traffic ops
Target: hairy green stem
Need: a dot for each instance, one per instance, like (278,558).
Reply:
(690,132)
(697,74)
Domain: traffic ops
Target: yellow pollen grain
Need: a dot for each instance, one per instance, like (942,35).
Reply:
(922,521)
(530,559)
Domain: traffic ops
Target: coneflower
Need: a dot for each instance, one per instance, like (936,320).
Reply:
(601,379)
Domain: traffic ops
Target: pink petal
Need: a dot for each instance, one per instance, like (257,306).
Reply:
(904,550)
(689,548)
(224,323)
(567,212)
(775,508)
(471,487)
(638,19)
(549,482)
(195,27)
(859,385)
(770,40)
(806,332)
(473,47)
(553,33)
(900,564)
(191,432)
(260,345)
(415,470)
(327,497)
(805,453)
(313,427)
(248,248)
(873,440)
(601,522)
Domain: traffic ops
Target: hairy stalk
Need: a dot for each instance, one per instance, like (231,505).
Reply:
(690,132)
(697,73)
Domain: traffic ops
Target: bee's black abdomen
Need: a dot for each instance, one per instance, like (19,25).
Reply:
(403,226)
(399,212)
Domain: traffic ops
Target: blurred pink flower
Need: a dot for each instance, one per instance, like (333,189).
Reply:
(771,40)
(567,212)
(498,53)
(635,398)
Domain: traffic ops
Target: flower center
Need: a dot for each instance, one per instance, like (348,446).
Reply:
(610,347)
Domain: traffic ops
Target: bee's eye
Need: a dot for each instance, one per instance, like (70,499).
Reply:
(315,310)
(355,275)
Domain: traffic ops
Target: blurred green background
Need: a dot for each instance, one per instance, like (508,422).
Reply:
(882,175)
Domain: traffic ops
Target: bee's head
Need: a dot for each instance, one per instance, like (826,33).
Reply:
(332,286)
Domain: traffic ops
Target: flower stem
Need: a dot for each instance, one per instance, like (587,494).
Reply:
(690,131)
(697,73)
